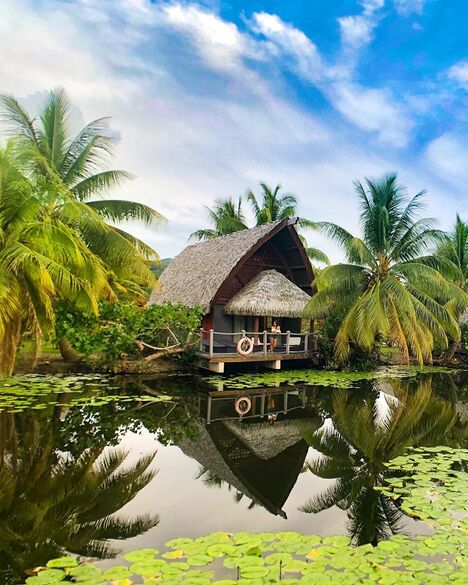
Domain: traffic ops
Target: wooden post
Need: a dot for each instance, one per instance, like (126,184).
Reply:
(201,338)
(306,342)
(265,343)
(288,341)
(208,411)
(211,342)
(256,328)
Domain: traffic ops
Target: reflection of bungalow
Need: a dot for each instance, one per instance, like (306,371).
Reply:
(243,281)
(259,460)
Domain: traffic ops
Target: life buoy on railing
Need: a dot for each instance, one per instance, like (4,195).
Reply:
(242,405)
(245,346)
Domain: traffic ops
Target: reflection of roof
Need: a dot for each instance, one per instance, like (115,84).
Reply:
(267,441)
(238,458)
(269,294)
(195,275)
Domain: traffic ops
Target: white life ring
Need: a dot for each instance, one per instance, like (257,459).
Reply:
(242,405)
(241,346)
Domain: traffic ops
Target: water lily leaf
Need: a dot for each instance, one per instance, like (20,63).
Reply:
(142,554)
(85,572)
(62,563)
(199,560)
(147,568)
(175,554)
(277,558)
(117,573)
(220,550)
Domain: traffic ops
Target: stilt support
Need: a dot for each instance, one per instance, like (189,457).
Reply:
(273,365)
(216,367)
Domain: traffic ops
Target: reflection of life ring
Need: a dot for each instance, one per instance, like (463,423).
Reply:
(242,405)
(245,346)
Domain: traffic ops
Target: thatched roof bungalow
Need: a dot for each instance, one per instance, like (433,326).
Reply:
(242,280)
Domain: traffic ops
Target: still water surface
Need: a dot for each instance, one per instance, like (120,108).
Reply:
(101,479)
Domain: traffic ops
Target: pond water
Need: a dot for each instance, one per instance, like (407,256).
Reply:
(98,466)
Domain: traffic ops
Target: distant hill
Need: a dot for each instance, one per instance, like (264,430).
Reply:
(158,267)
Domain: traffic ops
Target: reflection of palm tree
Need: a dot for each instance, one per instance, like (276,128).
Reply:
(361,440)
(50,504)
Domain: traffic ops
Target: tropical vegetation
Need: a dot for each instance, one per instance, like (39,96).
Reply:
(228,217)
(125,331)
(56,242)
(454,248)
(394,287)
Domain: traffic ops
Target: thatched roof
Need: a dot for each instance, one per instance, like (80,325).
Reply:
(269,294)
(266,441)
(195,275)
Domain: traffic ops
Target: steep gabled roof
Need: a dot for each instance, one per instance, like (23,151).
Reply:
(196,274)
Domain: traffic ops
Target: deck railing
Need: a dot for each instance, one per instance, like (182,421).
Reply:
(223,343)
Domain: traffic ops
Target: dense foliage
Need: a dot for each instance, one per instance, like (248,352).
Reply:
(393,287)
(56,240)
(455,248)
(124,329)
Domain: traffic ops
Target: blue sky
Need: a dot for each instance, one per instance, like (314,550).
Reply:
(211,97)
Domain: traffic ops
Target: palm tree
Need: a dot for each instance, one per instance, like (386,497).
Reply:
(455,249)
(274,206)
(46,148)
(361,440)
(42,256)
(389,289)
(226,217)
(51,504)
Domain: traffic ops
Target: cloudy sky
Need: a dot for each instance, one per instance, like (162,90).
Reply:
(210,97)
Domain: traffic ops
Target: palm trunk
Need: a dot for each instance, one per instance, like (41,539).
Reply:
(9,345)
(448,355)
(67,351)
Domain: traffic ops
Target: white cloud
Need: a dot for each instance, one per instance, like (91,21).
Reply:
(291,41)
(459,73)
(356,31)
(406,7)
(447,157)
(373,110)
(219,42)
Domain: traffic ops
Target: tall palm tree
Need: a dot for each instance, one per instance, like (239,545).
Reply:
(392,286)
(361,440)
(51,504)
(226,217)
(46,148)
(274,206)
(42,256)
(455,249)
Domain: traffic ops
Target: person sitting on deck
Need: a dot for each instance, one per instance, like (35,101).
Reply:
(275,330)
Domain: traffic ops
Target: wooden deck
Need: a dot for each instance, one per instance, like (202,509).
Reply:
(256,357)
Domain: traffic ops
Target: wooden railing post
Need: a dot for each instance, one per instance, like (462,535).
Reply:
(306,342)
(265,343)
(211,342)
(288,341)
